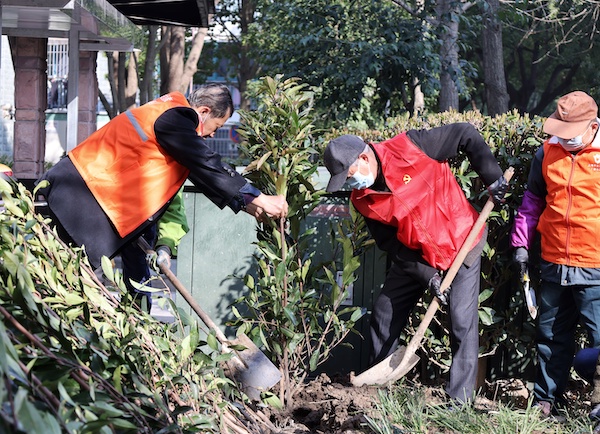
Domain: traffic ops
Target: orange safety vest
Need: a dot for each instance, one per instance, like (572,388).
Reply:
(425,203)
(571,219)
(125,168)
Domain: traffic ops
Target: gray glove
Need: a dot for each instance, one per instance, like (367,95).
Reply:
(498,189)
(521,259)
(434,286)
(163,254)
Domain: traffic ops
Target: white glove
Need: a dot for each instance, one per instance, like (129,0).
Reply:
(163,256)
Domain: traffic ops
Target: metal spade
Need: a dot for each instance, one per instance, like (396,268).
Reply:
(249,367)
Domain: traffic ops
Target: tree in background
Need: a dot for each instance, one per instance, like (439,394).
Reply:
(147,82)
(553,50)
(448,14)
(367,60)
(496,93)
(178,60)
(123,75)
(123,79)
(363,59)
(451,24)
(132,75)
(230,47)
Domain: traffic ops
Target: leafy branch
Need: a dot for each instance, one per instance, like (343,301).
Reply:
(293,307)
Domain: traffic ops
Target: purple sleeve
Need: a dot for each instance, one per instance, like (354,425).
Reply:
(526,220)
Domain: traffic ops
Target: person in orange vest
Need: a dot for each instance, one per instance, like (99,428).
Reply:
(119,181)
(417,212)
(562,203)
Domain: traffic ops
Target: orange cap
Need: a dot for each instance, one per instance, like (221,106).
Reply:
(573,114)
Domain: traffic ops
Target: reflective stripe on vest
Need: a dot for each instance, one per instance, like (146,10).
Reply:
(136,125)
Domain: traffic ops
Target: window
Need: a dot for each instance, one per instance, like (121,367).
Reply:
(58,71)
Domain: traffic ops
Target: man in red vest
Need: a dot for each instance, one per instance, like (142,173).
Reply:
(417,212)
(121,179)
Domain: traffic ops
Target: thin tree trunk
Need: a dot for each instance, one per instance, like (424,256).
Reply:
(248,67)
(146,93)
(120,56)
(131,80)
(496,93)
(447,10)
(113,111)
(191,64)
(164,55)
(418,98)
(106,105)
(172,58)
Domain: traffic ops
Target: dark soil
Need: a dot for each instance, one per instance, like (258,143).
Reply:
(328,406)
(334,406)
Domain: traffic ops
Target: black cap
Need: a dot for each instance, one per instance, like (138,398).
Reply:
(339,155)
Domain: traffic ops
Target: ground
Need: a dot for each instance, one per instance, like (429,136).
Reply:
(334,406)
(327,406)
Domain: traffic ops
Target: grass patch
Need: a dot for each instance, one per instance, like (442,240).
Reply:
(405,408)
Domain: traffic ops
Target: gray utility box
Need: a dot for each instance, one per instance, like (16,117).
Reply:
(221,244)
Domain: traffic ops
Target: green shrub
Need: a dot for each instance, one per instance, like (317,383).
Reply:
(74,359)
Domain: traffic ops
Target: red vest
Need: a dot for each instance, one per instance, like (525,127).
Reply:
(425,202)
(570,222)
(125,168)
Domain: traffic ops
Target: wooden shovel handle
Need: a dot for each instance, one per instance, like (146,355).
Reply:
(143,244)
(414,343)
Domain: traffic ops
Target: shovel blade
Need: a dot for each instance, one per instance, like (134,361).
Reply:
(390,369)
(251,368)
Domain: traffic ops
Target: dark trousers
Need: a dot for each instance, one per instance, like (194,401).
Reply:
(401,292)
(135,266)
(561,309)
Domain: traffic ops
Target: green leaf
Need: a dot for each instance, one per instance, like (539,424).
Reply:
(107,268)
(280,271)
(262,159)
(212,342)
(289,313)
(249,281)
(485,294)
(314,360)
(356,315)
(32,419)
(106,410)
(74,299)
(116,378)
(486,316)
(271,400)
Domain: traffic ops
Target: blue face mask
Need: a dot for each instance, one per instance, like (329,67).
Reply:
(574,144)
(360,181)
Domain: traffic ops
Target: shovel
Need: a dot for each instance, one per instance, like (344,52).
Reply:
(250,367)
(529,293)
(403,359)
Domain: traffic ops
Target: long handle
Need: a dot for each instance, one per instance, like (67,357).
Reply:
(411,348)
(143,244)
